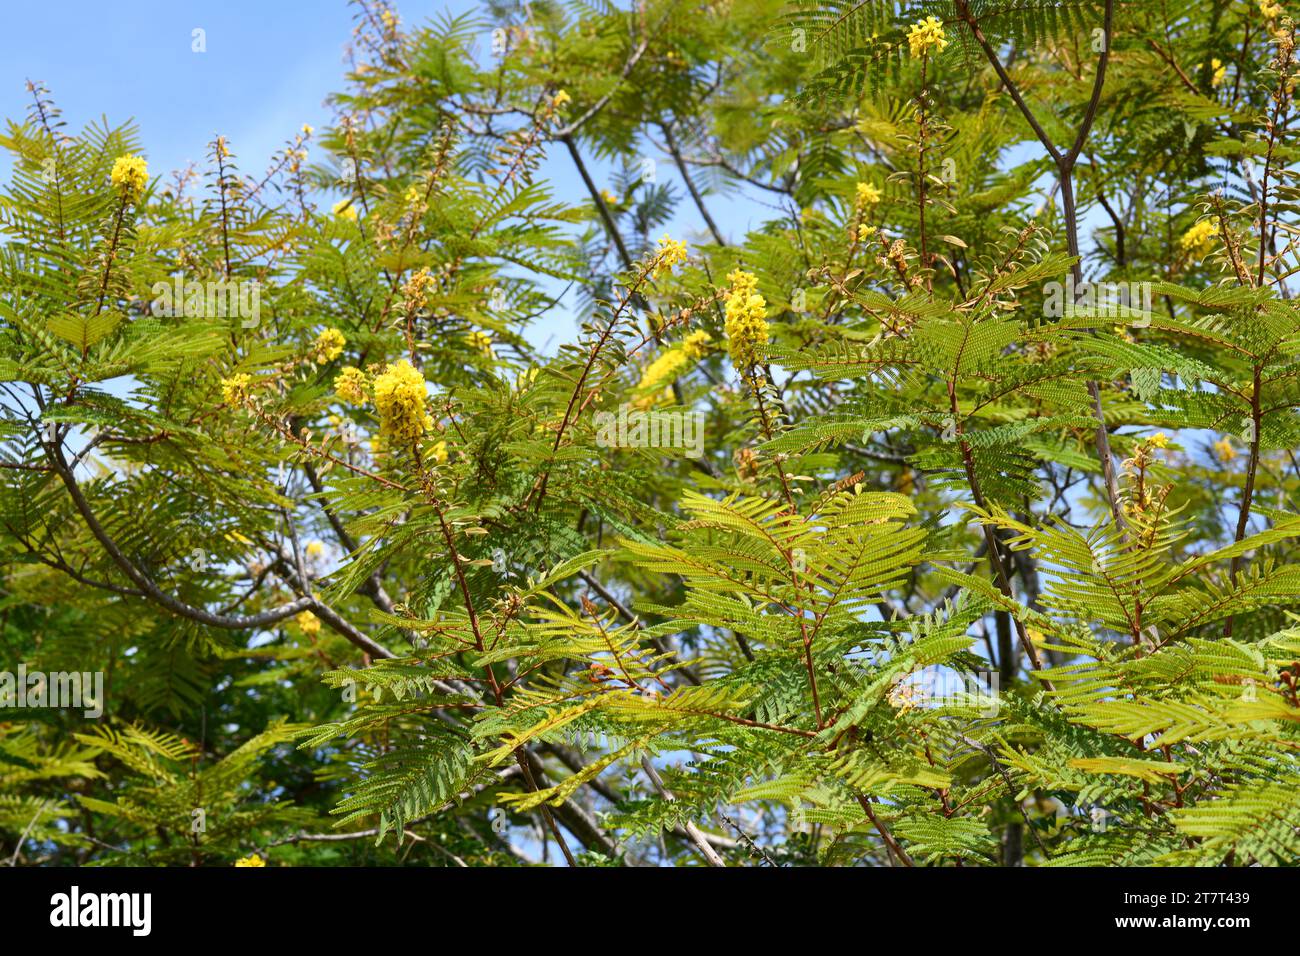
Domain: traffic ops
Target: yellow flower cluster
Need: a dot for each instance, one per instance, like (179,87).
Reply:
(925,35)
(416,289)
(400,397)
(130,174)
(671,363)
(746,319)
(1198,240)
(481,341)
(561,100)
(234,390)
(671,252)
(742,283)
(1270,9)
(350,385)
(253,860)
(1224,450)
(695,344)
(659,372)
(1220,71)
(1144,496)
(309,624)
(868,195)
(345,210)
(903,697)
(1137,466)
(328,345)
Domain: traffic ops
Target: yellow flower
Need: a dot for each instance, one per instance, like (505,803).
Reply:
(1270,9)
(315,549)
(481,341)
(561,100)
(400,396)
(924,35)
(742,283)
(328,345)
(1199,240)
(439,452)
(610,198)
(130,174)
(307,129)
(1224,450)
(1158,440)
(234,390)
(694,345)
(868,195)
(416,289)
(350,385)
(1220,71)
(253,860)
(345,210)
(670,253)
(662,370)
(903,697)
(308,623)
(670,365)
(415,194)
(746,320)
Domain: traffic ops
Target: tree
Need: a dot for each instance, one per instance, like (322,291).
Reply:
(944,519)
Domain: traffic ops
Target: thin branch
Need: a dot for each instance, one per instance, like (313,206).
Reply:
(151,590)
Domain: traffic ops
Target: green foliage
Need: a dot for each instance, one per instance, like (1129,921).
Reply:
(971,564)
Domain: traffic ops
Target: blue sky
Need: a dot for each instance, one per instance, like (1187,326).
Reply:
(267,70)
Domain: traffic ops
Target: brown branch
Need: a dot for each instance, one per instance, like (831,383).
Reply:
(890,842)
(1065,165)
(181,608)
(710,855)
(690,184)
